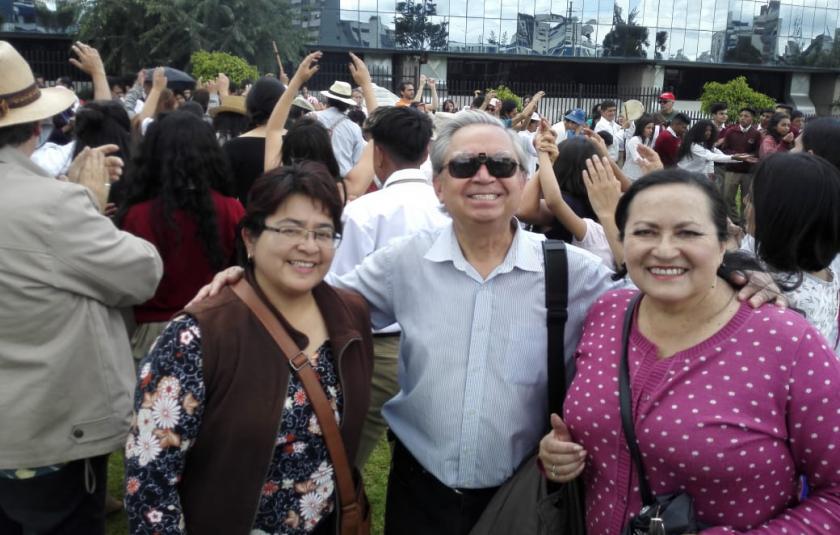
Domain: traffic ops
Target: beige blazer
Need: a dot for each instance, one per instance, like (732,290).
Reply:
(66,372)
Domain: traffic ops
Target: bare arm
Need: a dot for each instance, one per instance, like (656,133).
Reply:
(598,141)
(89,62)
(274,128)
(604,190)
(418,95)
(158,85)
(434,105)
(555,202)
(523,118)
(361,75)
(358,179)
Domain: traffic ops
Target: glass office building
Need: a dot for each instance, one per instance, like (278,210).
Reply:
(782,33)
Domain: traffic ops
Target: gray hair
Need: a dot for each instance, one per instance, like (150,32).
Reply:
(469,118)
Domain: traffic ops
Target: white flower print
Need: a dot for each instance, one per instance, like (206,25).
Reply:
(148,448)
(168,387)
(314,428)
(154,516)
(288,483)
(185,337)
(310,506)
(166,412)
(145,370)
(323,474)
(130,447)
(145,421)
(299,447)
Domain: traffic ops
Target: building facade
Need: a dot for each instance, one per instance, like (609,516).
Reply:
(788,48)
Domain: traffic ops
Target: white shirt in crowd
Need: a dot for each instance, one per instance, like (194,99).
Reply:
(406,204)
(631,168)
(617,132)
(54,159)
(817,299)
(346,136)
(703,160)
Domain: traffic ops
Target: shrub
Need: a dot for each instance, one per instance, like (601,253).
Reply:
(504,93)
(207,65)
(736,94)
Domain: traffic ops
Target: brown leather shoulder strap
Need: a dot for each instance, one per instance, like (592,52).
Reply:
(299,363)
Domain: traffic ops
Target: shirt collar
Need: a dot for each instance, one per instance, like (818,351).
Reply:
(12,155)
(521,254)
(671,130)
(405,175)
(745,130)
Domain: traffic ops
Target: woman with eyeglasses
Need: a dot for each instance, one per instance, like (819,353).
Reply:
(224,438)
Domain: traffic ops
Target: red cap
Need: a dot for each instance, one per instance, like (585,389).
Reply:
(667,96)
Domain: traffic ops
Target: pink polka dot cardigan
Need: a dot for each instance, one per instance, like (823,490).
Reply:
(734,421)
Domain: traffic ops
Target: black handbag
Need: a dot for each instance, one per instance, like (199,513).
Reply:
(527,503)
(665,514)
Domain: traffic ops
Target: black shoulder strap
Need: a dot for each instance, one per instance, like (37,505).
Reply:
(625,401)
(556,304)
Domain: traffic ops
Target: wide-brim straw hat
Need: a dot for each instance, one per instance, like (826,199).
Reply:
(21,100)
(340,91)
(633,109)
(230,104)
(301,102)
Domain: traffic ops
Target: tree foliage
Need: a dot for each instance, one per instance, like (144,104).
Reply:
(736,94)
(207,65)
(505,93)
(626,39)
(743,52)
(139,33)
(413,28)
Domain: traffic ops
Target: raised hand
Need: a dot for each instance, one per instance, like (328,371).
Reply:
(307,68)
(359,70)
(159,79)
(649,159)
(223,84)
(602,188)
(89,61)
(562,459)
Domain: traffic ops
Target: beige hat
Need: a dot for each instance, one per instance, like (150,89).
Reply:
(301,102)
(230,104)
(340,91)
(633,109)
(21,101)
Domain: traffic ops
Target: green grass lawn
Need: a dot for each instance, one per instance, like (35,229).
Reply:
(376,479)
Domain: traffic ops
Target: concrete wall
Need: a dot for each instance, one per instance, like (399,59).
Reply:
(641,75)
(825,89)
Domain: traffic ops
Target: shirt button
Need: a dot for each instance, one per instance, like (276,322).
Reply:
(78,433)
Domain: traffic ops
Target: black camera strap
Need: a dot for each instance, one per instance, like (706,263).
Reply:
(625,401)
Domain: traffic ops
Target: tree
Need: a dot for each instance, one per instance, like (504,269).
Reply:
(743,52)
(626,39)
(660,46)
(62,17)
(736,94)
(207,65)
(415,31)
(135,33)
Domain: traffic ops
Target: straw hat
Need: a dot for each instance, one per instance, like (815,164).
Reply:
(340,91)
(633,109)
(301,102)
(230,104)
(21,101)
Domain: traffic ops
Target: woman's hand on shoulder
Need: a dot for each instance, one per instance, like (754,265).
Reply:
(228,277)
(562,459)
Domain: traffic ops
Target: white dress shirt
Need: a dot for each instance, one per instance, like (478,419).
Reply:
(406,204)
(617,133)
(631,169)
(703,160)
(346,137)
(54,159)
(472,368)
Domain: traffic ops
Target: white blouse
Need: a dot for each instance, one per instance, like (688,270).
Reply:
(702,160)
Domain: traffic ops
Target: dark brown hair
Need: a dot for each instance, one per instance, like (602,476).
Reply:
(270,191)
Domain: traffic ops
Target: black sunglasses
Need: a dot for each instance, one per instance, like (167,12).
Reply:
(497,166)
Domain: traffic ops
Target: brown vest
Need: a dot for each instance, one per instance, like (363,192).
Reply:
(246,378)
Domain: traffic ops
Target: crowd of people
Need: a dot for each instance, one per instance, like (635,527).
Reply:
(163,250)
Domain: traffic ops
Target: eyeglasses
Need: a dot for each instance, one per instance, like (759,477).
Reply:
(497,166)
(324,237)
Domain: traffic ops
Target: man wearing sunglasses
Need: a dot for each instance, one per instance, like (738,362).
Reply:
(469,298)
(666,106)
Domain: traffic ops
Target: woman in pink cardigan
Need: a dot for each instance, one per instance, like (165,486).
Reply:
(778,137)
(732,405)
